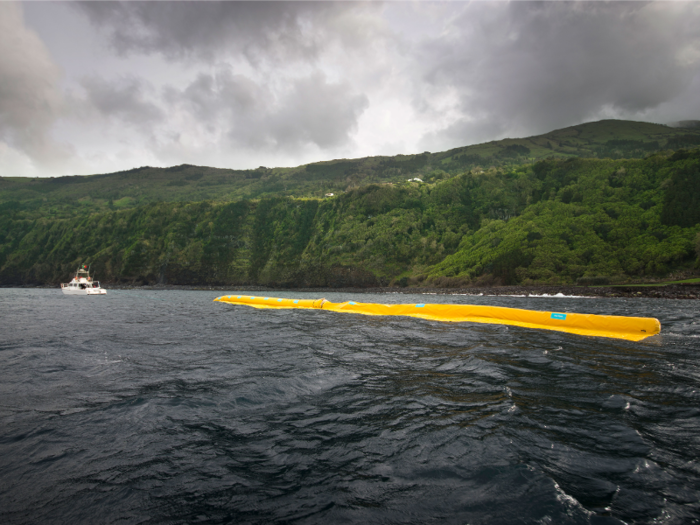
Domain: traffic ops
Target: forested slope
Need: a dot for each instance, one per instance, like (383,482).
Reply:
(553,221)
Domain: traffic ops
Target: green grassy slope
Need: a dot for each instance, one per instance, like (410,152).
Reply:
(604,139)
(583,221)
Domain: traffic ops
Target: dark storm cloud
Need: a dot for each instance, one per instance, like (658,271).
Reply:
(311,111)
(30,101)
(203,30)
(125,100)
(534,67)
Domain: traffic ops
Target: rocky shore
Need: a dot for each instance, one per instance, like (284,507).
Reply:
(671,291)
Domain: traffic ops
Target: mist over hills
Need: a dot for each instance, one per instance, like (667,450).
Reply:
(609,201)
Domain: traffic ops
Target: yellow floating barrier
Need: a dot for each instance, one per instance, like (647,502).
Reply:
(618,327)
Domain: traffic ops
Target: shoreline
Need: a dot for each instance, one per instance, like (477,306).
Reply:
(671,291)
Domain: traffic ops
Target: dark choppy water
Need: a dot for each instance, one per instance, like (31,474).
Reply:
(165,407)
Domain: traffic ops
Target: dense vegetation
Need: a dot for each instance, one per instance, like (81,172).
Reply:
(557,220)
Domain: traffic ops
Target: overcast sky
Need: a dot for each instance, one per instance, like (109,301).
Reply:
(97,87)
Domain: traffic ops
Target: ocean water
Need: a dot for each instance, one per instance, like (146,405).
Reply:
(166,407)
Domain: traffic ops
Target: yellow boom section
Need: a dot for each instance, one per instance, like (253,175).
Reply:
(618,327)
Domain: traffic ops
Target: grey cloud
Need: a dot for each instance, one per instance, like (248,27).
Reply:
(226,103)
(317,112)
(203,30)
(30,101)
(312,111)
(124,99)
(209,95)
(538,66)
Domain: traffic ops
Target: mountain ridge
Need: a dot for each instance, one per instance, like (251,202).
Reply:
(187,182)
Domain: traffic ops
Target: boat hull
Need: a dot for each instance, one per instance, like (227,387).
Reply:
(79,291)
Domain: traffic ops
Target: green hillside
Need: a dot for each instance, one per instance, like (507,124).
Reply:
(57,197)
(555,221)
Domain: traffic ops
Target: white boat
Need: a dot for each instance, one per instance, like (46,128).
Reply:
(82,284)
